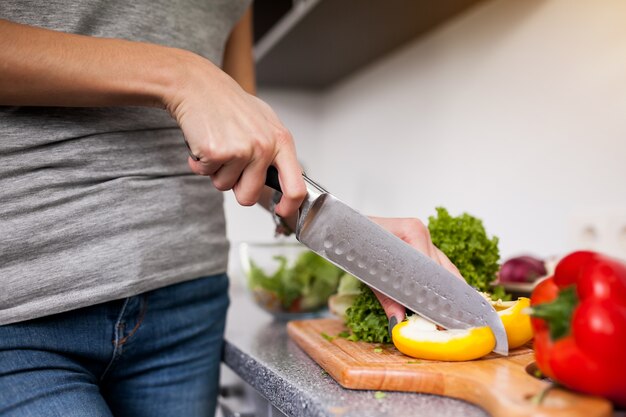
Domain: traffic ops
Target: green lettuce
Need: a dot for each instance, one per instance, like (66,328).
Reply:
(309,281)
(366,318)
(465,242)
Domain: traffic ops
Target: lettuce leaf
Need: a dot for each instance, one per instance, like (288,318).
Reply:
(366,318)
(465,242)
(310,281)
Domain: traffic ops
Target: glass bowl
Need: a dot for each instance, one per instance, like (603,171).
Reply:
(288,280)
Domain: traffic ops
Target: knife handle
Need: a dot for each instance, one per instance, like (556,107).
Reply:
(271,178)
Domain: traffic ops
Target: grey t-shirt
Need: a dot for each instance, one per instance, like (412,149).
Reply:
(98,204)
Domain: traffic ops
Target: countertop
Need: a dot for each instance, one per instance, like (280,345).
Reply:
(259,350)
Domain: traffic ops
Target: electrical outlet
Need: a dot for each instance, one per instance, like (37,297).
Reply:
(601,229)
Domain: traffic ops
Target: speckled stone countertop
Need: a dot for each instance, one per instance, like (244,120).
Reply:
(259,350)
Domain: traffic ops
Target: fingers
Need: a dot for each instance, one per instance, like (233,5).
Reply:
(291,183)
(412,231)
(228,175)
(446,263)
(416,234)
(236,141)
(250,185)
(392,308)
(246,176)
(202,167)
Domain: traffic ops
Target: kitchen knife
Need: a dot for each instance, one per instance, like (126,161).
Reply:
(385,262)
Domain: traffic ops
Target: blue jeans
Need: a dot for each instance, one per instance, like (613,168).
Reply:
(155,354)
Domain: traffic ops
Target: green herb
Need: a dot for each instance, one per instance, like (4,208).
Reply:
(499,293)
(327,336)
(378,350)
(465,242)
(310,281)
(411,362)
(366,318)
(344,334)
(379,395)
(324,373)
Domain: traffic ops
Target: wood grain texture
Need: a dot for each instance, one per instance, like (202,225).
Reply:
(500,385)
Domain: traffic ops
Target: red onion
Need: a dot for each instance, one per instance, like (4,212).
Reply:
(522,269)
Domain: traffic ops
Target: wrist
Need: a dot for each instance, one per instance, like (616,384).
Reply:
(166,82)
(180,71)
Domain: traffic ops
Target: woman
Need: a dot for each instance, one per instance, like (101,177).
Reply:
(112,252)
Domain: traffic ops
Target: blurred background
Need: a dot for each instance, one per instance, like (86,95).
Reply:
(513,111)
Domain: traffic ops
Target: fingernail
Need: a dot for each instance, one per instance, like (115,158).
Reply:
(392,323)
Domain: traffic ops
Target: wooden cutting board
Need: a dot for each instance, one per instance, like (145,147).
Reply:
(500,385)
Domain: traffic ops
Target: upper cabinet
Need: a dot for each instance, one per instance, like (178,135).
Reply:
(312,44)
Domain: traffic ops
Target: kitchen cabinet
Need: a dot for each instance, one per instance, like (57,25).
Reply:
(312,44)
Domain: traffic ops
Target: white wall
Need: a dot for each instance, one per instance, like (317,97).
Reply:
(514,112)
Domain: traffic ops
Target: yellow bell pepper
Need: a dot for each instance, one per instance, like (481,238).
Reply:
(420,338)
(516,322)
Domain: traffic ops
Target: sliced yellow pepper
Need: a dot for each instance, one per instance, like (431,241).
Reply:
(420,338)
(516,323)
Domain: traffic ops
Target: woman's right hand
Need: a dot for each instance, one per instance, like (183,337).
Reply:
(233,135)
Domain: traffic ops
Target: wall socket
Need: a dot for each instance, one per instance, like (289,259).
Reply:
(601,229)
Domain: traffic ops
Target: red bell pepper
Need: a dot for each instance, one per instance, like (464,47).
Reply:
(579,321)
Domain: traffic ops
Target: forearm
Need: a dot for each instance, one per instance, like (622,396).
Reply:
(41,67)
(224,126)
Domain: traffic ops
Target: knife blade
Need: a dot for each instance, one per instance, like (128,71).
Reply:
(385,262)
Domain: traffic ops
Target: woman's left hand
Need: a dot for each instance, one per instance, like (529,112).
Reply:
(416,234)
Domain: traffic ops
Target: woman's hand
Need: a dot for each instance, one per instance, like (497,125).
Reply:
(233,135)
(416,234)
(244,135)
